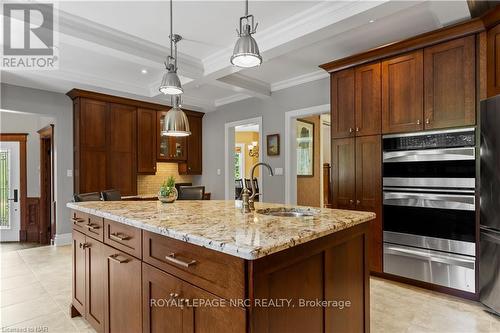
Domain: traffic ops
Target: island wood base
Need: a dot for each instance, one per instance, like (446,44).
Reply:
(119,270)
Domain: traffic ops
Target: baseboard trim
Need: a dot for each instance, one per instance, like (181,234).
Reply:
(62,239)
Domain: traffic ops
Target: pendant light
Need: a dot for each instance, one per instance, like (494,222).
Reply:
(246,51)
(176,122)
(171,84)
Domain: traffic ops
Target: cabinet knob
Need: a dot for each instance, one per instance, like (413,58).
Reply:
(84,245)
(350,130)
(427,121)
(174,295)
(418,122)
(357,129)
(351,201)
(358,202)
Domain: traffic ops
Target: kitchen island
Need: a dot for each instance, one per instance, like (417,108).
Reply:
(203,266)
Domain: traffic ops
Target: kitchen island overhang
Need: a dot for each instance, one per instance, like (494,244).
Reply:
(270,274)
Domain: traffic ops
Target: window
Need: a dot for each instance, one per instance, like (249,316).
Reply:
(4,189)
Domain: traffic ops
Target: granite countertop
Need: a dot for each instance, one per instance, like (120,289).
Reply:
(219,225)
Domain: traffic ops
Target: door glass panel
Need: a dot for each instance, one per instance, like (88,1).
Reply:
(4,189)
(163,140)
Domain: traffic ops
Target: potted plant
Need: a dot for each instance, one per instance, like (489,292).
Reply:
(168,192)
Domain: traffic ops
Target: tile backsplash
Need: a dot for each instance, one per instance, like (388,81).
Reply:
(150,184)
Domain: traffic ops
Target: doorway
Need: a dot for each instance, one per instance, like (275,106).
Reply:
(243,149)
(47,202)
(12,187)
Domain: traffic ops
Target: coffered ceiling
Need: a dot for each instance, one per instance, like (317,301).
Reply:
(106,46)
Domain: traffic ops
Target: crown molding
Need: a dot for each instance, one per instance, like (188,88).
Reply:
(301,79)
(230,99)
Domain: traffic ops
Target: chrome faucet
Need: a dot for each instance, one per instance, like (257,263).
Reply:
(248,200)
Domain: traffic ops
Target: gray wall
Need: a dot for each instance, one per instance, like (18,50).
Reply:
(272,111)
(27,123)
(60,108)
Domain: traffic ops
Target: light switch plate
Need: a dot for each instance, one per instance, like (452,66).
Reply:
(69,173)
(278,171)
(218,172)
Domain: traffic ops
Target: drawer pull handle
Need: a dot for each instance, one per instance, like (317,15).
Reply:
(77,220)
(172,258)
(91,226)
(114,257)
(116,236)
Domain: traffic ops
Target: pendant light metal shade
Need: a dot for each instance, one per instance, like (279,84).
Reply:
(246,51)
(176,122)
(171,84)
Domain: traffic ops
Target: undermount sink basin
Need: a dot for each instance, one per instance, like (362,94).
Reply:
(288,212)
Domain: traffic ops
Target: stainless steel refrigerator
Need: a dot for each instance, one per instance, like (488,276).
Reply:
(489,265)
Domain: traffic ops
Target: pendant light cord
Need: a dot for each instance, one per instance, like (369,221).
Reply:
(171,33)
(246,7)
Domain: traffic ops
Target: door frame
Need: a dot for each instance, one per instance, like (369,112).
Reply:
(227,126)
(46,133)
(21,138)
(290,168)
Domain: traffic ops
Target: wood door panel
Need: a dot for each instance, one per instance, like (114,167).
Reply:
(193,164)
(402,93)
(146,141)
(342,103)
(449,74)
(343,173)
(95,279)
(369,191)
(368,100)
(123,290)
(93,124)
(78,272)
(493,61)
(158,286)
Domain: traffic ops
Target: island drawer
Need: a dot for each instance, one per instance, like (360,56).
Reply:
(219,273)
(90,225)
(123,237)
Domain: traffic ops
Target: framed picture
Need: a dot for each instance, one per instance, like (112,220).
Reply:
(305,148)
(273,145)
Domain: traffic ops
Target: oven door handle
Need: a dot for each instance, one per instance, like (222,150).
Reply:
(427,256)
(430,200)
(446,154)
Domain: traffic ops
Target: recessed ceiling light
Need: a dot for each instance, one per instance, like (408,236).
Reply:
(144,71)
(371,21)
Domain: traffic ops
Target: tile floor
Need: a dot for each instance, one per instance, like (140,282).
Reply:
(35,293)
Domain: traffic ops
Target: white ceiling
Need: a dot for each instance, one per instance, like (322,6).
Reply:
(103,46)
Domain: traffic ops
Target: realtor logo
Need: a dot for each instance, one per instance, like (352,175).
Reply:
(28,36)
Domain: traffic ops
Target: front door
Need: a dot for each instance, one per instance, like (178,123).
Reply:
(10,210)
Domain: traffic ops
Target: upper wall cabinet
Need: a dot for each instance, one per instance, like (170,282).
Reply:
(342,104)
(449,84)
(169,148)
(146,141)
(402,93)
(368,106)
(493,61)
(193,164)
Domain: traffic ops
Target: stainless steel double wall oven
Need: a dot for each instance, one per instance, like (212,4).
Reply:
(429,181)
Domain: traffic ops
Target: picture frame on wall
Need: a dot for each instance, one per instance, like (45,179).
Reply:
(305,148)
(273,145)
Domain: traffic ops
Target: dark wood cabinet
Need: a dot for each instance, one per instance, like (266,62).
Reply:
(449,84)
(343,173)
(123,292)
(89,279)
(342,104)
(122,144)
(146,141)
(194,163)
(368,100)
(169,148)
(369,191)
(402,93)
(357,184)
(493,61)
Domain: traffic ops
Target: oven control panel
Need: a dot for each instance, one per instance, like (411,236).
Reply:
(431,140)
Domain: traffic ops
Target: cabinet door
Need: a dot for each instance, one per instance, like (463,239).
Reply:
(369,191)
(122,144)
(449,84)
(368,100)
(169,148)
(343,173)
(123,292)
(342,103)
(193,165)
(160,312)
(493,61)
(78,272)
(95,266)
(402,93)
(91,132)
(146,141)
